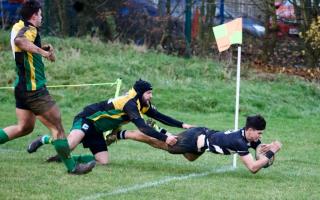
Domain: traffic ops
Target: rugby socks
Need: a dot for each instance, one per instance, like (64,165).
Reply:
(83,158)
(46,139)
(121,135)
(3,137)
(63,150)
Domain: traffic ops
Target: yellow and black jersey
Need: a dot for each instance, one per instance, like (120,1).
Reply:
(111,114)
(29,66)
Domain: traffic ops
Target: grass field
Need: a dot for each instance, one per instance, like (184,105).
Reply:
(197,91)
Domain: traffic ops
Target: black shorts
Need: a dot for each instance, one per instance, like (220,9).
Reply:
(187,141)
(38,101)
(93,139)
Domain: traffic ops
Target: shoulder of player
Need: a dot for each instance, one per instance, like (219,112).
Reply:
(131,104)
(127,100)
(238,140)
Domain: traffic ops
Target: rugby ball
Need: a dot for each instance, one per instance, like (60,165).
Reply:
(259,155)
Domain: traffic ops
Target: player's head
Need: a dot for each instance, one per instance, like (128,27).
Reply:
(254,127)
(144,91)
(31,10)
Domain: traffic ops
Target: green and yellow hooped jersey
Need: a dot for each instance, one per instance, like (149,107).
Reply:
(29,66)
(111,114)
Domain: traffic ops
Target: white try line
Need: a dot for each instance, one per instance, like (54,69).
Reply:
(140,186)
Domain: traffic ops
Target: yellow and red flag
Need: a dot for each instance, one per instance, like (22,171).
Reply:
(228,34)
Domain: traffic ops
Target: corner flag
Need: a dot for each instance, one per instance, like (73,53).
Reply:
(228,34)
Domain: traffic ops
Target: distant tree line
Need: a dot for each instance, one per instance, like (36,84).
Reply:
(101,18)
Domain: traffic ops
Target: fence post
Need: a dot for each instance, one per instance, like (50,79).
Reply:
(187,28)
(2,15)
(119,82)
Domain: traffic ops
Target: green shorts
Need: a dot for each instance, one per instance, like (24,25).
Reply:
(77,124)
(93,139)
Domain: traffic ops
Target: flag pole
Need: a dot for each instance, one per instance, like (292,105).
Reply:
(226,35)
(236,118)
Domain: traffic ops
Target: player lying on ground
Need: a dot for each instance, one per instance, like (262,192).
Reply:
(89,125)
(193,142)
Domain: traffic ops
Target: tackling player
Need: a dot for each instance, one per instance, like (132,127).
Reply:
(89,125)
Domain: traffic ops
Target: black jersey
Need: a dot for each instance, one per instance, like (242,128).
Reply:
(229,142)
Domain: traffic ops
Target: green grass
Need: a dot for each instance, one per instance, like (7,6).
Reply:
(194,90)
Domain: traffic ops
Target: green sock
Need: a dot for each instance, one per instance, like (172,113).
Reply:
(46,139)
(3,137)
(63,150)
(83,158)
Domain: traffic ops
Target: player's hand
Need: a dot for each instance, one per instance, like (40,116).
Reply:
(187,126)
(275,146)
(50,52)
(45,54)
(171,140)
(52,57)
(264,148)
(47,47)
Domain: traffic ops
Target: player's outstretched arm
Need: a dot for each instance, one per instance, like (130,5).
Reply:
(167,120)
(255,165)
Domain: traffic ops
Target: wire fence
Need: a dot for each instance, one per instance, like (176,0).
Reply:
(117,83)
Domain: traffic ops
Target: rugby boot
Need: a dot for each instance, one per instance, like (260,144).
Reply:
(55,158)
(83,168)
(34,145)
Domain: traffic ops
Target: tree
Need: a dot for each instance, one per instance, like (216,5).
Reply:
(63,16)
(313,34)
(312,38)
(268,9)
(206,21)
(80,17)
(307,11)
